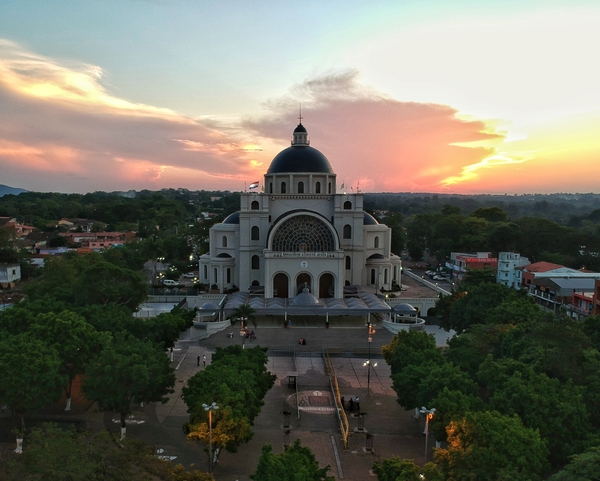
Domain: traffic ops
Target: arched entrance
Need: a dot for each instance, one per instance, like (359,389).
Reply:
(302,279)
(326,285)
(280,285)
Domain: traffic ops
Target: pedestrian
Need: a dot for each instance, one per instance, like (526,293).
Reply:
(343,403)
(350,404)
(357,402)
(204,359)
(198,360)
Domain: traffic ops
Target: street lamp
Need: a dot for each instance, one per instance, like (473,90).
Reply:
(210,409)
(370,332)
(428,415)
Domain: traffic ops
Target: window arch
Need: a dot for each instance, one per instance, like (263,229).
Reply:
(300,187)
(318,188)
(283,188)
(255,235)
(376,242)
(224,241)
(254,205)
(347,205)
(348,263)
(255,262)
(303,233)
(347,231)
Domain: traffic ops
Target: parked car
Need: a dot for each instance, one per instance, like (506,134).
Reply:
(190,275)
(169,282)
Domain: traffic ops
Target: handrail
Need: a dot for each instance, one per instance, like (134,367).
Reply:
(341,413)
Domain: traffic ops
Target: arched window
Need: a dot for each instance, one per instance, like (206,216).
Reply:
(255,233)
(255,262)
(283,188)
(385,276)
(255,283)
(270,187)
(376,242)
(205,276)
(215,276)
(372,276)
(300,187)
(228,275)
(303,233)
(318,188)
(254,205)
(347,231)
(348,263)
(395,273)
(224,243)
(348,205)
(329,188)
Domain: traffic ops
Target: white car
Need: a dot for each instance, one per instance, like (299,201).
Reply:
(169,282)
(190,275)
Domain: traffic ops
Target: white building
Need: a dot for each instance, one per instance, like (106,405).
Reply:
(300,231)
(508,272)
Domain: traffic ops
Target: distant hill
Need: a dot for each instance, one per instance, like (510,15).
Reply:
(5,190)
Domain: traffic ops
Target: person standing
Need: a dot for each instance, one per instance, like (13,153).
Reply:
(357,402)
(198,360)
(204,359)
(350,404)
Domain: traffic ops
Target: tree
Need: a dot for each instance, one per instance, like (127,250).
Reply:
(61,454)
(557,410)
(491,214)
(244,311)
(490,446)
(237,380)
(583,467)
(298,463)
(128,371)
(75,341)
(397,469)
(29,377)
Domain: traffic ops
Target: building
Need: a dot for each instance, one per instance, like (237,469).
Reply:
(508,272)
(461,262)
(299,232)
(554,286)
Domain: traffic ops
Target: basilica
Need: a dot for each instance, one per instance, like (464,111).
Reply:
(300,233)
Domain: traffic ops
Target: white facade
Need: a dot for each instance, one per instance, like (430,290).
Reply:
(10,273)
(300,232)
(508,273)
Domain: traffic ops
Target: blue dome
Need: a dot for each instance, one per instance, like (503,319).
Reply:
(300,158)
(300,129)
(369,220)
(232,218)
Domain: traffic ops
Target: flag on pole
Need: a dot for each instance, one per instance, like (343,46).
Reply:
(254,185)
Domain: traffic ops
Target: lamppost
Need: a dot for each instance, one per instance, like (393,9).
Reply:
(370,331)
(210,409)
(428,415)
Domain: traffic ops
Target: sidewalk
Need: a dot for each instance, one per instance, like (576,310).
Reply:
(395,431)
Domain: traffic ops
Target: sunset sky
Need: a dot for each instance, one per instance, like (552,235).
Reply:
(468,96)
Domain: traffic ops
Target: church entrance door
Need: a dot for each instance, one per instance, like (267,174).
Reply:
(302,281)
(326,285)
(280,285)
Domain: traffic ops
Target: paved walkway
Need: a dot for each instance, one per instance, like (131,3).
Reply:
(313,418)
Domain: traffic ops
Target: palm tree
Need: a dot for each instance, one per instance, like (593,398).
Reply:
(244,312)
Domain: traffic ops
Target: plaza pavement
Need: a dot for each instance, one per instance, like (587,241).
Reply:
(395,431)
